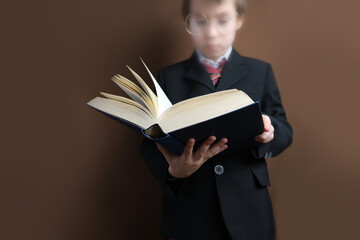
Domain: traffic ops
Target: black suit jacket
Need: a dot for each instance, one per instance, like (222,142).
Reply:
(204,204)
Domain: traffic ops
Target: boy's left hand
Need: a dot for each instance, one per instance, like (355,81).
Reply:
(268,133)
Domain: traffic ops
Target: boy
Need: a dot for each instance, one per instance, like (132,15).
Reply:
(207,196)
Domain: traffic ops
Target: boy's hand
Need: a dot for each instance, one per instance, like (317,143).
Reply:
(182,166)
(268,133)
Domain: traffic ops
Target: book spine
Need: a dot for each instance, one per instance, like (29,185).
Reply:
(169,142)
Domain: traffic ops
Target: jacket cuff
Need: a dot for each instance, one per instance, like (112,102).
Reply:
(265,150)
(173,185)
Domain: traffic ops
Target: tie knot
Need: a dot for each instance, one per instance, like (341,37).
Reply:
(221,65)
(215,72)
(216,67)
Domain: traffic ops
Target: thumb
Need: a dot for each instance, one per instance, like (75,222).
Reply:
(267,123)
(167,154)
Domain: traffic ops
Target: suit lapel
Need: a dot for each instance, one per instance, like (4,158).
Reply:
(234,70)
(198,73)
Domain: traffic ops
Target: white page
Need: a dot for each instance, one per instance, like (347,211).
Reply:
(163,101)
(135,97)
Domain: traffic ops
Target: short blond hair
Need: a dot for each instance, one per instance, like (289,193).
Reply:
(239,5)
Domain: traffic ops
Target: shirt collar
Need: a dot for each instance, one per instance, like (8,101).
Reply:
(211,62)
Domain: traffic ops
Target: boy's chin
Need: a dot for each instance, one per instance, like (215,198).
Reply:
(213,54)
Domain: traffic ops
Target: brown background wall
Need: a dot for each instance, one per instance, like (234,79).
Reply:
(68,172)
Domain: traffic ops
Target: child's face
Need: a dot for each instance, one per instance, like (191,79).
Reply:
(216,34)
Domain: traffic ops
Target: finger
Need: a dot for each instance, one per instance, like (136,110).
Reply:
(267,122)
(259,139)
(218,145)
(262,137)
(167,154)
(222,148)
(217,148)
(189,147)
(272,130)
(272,136)
(268,136)
(201,151)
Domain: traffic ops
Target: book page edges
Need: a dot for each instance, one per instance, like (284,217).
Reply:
(163,101)
(131,125)
(146,88)
(123,111)
(135,92)
(166,140)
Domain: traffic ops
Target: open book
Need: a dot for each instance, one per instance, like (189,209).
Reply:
(229,113)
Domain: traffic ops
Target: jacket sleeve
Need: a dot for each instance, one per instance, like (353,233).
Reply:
(271,105)
(157,163)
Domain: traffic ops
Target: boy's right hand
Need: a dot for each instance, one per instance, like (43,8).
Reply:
(182,166)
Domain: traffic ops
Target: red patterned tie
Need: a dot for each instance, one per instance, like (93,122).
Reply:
(215,73)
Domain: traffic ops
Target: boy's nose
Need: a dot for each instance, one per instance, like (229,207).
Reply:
(211,30)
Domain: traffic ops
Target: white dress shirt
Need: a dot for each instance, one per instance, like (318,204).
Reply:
(216,63)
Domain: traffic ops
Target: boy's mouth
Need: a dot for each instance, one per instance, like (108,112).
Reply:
(212,47)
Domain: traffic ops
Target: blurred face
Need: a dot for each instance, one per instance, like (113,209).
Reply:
(213,26)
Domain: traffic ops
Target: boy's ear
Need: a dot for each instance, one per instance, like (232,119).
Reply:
(239,22)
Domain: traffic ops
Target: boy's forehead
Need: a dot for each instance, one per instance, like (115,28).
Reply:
(212,7)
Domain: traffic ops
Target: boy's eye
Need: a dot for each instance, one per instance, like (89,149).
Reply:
(201,22)
(223,21)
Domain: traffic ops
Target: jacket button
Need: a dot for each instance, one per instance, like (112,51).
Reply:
(219,169)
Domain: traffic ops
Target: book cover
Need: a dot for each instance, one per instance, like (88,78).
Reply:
(229,113)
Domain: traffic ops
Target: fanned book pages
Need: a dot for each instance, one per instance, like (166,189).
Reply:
(229,113)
